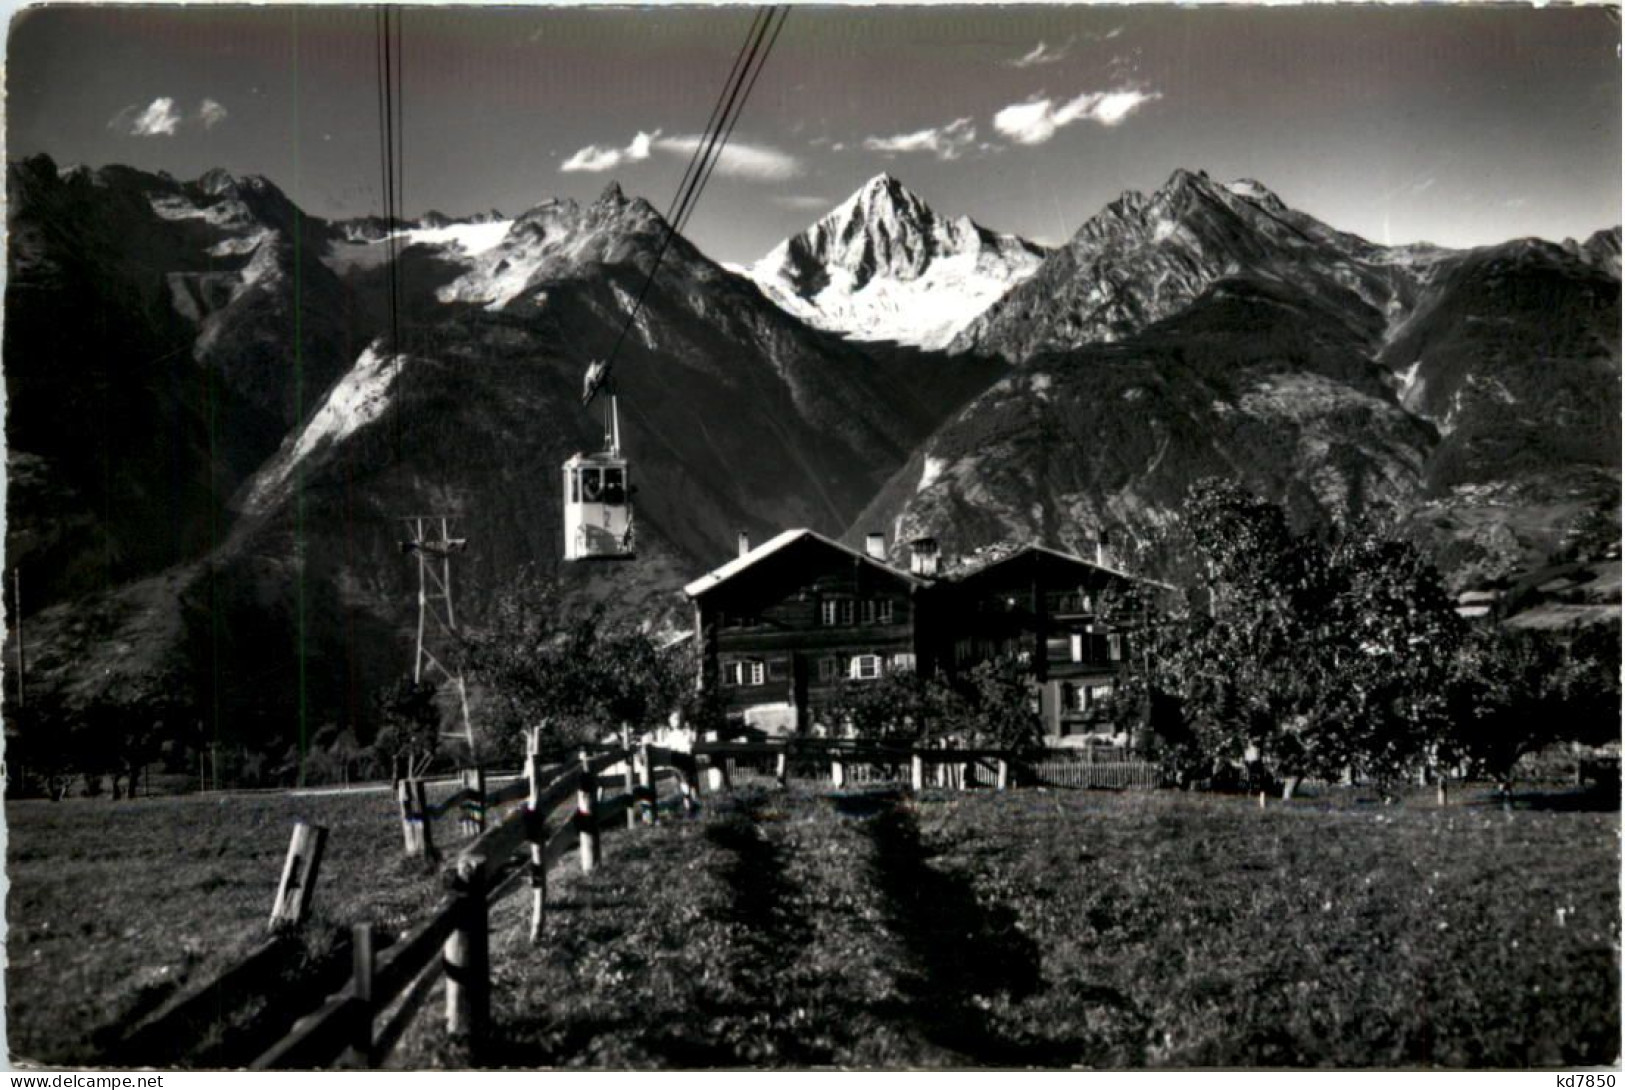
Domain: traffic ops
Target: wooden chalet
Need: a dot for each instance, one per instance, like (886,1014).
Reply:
(1048,610)
(782,625)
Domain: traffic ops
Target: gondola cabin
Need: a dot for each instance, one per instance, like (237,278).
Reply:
(597,508)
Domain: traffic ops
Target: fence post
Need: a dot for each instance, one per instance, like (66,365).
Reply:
(415,819)
(1003,783)
(536,833)
(648,801)
(587,817)
(298,876)
(473,823)
(837,772)
(362,967)
(781,768)
(467,953)
(917,772)
(629,779)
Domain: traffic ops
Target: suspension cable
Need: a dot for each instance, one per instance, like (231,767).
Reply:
(708,151)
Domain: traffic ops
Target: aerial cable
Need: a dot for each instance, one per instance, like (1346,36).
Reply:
(687,193)
(713,149)
(716,109)
(734,95)
(784,14)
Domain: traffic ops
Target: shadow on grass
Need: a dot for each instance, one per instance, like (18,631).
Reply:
(964,955)
(1599,799)
(772,928)
(862,804)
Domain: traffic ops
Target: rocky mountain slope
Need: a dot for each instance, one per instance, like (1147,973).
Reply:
(215,429)
(1208,328)
(883,266)
(735,416)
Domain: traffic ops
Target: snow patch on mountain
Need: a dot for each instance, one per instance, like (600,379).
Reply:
(933,470)
(355,401)
(470,238)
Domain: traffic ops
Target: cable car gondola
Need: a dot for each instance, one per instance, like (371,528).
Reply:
(597,488)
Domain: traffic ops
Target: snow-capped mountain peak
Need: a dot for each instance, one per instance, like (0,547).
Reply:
(882,265)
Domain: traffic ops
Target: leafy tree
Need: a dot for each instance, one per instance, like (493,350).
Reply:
(997,709)
(408,736)
(1514,691)
(1319,656)
(901,706)
(545,662)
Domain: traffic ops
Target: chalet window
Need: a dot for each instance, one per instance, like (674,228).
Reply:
(848,610)
(886,611)
(828,669)
(827,611)
(963,650)
(865,667)
(869,611)
(1099,693)
(902,661)
(744,672)
(1069,697)
(1077,647)
(778,669)
(1114,647)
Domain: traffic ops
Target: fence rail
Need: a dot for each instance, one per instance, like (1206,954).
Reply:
(512,835)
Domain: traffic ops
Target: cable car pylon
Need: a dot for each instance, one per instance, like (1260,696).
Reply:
(434,603)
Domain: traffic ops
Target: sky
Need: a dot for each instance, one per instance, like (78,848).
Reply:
(1459,125)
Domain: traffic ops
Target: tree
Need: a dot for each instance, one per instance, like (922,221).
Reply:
(1514,691)
(996,708)
(545,662)
(1319,657)
(408,726)
(901,706)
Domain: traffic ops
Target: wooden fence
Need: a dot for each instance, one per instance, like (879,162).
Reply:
(848,762)
(367,989)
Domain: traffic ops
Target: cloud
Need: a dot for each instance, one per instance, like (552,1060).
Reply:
(948,141)
(1041,54)
(211,113)
(754,162)
(594,159)
(1037,120)
(157,119)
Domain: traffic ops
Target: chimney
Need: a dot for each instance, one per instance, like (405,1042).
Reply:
(744,543)
(923,557)
(1100,548)
(875,545)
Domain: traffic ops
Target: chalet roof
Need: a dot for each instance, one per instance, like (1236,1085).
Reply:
(721,575)
(1071,558)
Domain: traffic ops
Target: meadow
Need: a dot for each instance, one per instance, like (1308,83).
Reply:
(113,908)
(872,929)
(1056,928)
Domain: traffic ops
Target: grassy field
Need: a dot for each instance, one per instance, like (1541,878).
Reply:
(1062,928)
(114,907)
(1044,928)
